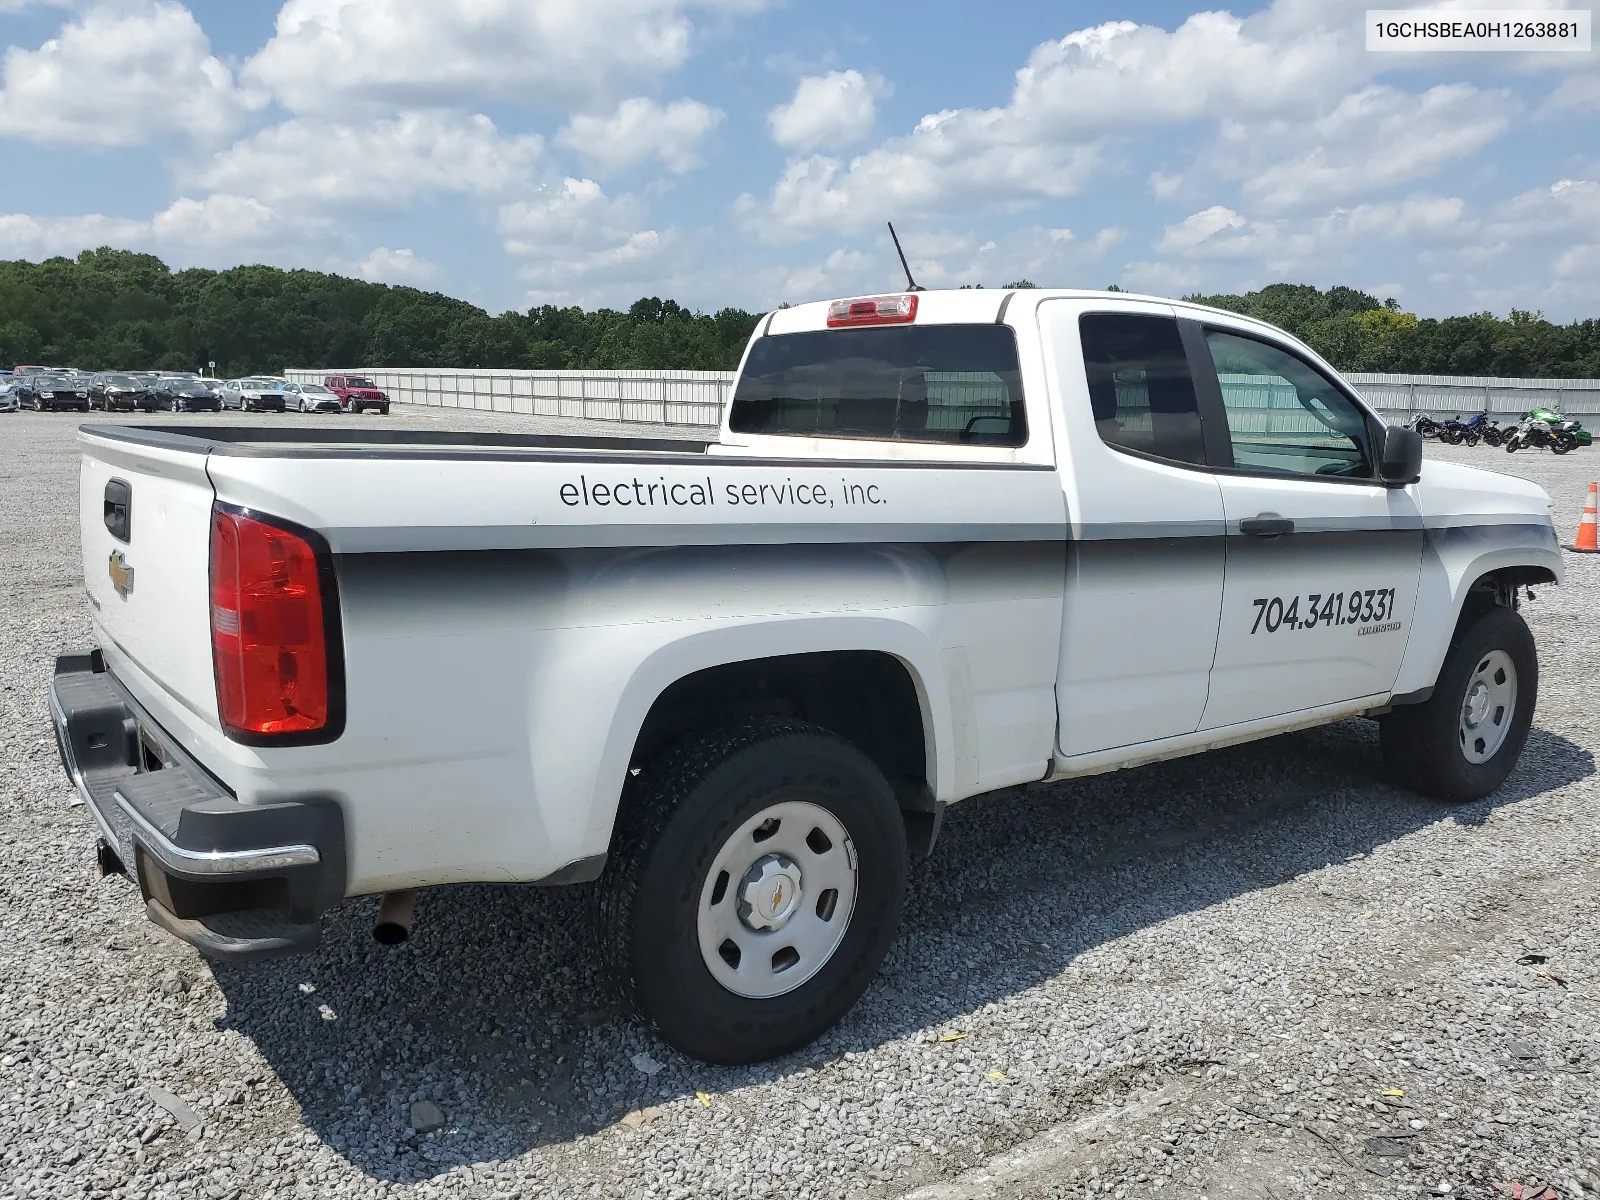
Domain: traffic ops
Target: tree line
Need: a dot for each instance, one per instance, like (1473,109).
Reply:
(117,309)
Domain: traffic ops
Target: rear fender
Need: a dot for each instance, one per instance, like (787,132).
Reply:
(620,672)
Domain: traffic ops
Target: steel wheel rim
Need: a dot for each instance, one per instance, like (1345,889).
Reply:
(778,899)
(1487,707)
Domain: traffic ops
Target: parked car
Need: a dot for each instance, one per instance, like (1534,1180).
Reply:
(115,391)
(734,684)
(8,394)
(313,398)
(253,395)
(186,394)
(51,393)
(357,393)
(32,370)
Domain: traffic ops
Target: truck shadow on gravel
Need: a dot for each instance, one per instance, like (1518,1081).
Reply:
(495,1010)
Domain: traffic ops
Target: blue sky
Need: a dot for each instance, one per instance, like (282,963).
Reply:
(747,152)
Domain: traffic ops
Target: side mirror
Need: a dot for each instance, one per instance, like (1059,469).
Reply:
(1401,460)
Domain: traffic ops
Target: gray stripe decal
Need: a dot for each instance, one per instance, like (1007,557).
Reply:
(1488,521)
(1372,524)
(1124,531)
(400,540)
(1102,531)
(387,540)
(1005,303)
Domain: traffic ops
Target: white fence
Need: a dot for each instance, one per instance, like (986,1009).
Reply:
(642,397)
(1446,395)
(697,397)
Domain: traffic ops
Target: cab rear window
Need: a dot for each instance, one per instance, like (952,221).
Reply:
(958,384)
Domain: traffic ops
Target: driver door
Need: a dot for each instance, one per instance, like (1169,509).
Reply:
(1321,560)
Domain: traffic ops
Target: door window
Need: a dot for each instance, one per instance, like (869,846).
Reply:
(1140,387)
(1284,415)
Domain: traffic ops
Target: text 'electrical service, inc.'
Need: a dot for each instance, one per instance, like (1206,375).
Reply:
(703,493)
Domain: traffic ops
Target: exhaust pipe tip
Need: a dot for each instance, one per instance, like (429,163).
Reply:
(396,911)
(107,860)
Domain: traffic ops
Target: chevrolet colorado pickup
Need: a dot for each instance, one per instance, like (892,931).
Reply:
(945,543)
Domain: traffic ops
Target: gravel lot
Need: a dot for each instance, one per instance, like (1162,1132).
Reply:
(1263,973)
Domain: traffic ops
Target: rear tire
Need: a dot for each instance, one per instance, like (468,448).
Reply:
(1457,746)
(783,795)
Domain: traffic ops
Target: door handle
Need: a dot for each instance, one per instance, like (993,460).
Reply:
(1266,525)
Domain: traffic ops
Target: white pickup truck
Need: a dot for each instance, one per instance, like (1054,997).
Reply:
(945,543)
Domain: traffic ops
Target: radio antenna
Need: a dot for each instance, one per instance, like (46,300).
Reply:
(911,284)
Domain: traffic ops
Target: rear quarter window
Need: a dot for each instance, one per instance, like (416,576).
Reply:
(944,384)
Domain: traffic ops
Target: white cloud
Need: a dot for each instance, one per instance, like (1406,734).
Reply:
(1070,99)
(575,213)
(827,111)
(1372,139)
(1219,233)
(187,231)
(336,55)
(307,163)
(123,74)
(641,129)
(384,265)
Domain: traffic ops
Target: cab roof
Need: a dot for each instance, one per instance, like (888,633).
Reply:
(960,306)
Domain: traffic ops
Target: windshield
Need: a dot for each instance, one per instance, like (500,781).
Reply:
(194,389)
(119,381)
(931,383)
(315,389)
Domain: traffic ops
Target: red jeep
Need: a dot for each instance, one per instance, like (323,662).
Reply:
(356,393)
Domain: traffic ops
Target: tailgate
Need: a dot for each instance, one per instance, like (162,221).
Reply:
(150,590)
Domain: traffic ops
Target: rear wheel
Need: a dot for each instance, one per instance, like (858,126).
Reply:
(753,888)
(1463,742)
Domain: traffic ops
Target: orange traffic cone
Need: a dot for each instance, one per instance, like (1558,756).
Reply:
(1585,542)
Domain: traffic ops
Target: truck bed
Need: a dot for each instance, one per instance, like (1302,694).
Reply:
(399,491)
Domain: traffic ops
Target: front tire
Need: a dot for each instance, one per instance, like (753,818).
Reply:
(1463,742)
(740,856)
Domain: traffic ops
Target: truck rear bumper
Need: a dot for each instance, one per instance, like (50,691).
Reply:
(234,880)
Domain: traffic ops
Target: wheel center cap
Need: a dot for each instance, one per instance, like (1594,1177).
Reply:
(1477,705)
(770,893)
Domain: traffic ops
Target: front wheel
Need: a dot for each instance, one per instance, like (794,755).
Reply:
(754,885)
(1462,743)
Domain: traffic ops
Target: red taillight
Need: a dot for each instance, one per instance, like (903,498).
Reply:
(269,638)
(873,310)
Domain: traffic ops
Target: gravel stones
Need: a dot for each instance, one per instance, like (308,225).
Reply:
(1273,928)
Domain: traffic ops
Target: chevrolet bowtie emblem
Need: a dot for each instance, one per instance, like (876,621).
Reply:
(121,574)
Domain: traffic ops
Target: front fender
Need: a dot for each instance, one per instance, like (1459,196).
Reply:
(1454,558)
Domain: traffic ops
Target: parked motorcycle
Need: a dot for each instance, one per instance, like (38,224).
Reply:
(1538,433)
(1456,431)
(1559,423)
(1424,425)
(1478,428)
